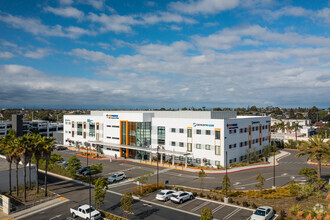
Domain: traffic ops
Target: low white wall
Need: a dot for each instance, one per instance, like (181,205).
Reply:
(4,177)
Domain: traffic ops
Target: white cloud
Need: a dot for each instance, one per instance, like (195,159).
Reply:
(6,55)
(204,6)
(66,2)
(97,4)
(68,12)
(324,14)
(256,35)
(35,27)
(9,44)
(37,54)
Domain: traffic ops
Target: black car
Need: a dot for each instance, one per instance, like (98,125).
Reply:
(82,169)
(88,172)
(60,147)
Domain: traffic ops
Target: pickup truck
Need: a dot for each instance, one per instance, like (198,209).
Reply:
(83,212)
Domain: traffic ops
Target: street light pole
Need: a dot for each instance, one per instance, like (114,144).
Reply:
(274,148)
(157,168)
(226,177)
(89,185)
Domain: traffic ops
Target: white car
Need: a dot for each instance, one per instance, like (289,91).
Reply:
(84,212)
(117,177)
(180,197)
(165,195)
(263,213)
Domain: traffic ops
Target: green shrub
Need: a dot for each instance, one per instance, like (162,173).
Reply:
(238,203)
(245,204)
(208,196)
(294,209)
(282,215)
(195,194)
(230,200)
(254,206)
(201,195)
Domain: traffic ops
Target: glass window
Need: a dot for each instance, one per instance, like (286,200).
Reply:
(217,135)
(207,147)
(198,131)
(173,130)
(181,130)
(189,132)
(208,132)
(123,132)
(189,147)
(161,134)
(173,143)
(181,144)
(234,145)
(92,129)
(79,128)
(198,160)
(217,149)
(230,131)
(73,124)
(229,146)
(217,163)
(198,146)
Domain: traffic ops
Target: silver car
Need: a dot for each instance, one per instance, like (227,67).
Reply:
(263,213)
(117,177)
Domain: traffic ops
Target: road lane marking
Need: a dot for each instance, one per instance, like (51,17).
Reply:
(57,216)
(200,206)
(217,208)
(184,204)
(231,214)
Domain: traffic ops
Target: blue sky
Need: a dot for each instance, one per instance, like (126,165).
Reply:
(152,54)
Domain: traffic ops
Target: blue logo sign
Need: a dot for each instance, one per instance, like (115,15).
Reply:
(203,125)
(255,122)
(112,116)
(89,120)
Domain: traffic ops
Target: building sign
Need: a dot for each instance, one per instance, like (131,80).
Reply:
(89,120)
(255,122)
(232,126)
(203,125)
(267,121)
(112,116)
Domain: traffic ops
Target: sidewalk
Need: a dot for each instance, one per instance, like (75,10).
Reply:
(230,170)
(30,211)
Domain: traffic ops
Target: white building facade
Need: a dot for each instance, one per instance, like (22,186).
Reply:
(187,137)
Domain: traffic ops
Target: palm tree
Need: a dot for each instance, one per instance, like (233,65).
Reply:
(315,148)
(48,147)
(296,126)
(25,154)
(37,148)
(16,158)
(5,145)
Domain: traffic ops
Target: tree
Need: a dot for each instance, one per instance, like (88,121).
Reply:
(37,149)
(74,164)
(202,175)
(55,158)
(295,127)
(313,114)
(291,113)
(316,149)
(309,173)
(126,204)
(7,148)
(25,154)
(101,187)
(143,180)
(226,185)
(16,158)
(253,108)
(261,180)
(206,214)
(48,147)
(279,126)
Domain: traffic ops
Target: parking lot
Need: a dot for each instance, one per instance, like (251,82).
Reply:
(219,210)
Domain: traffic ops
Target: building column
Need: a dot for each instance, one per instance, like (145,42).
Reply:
(127,153)
(161,158)
(185,162)
(47,128)
(120,152)
(150,157)
(173,159)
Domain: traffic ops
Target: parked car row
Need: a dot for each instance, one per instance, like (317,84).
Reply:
(174,196)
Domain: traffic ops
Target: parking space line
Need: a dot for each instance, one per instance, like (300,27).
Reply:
(231,214)
(200,206)
(184,204)
(217,208)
